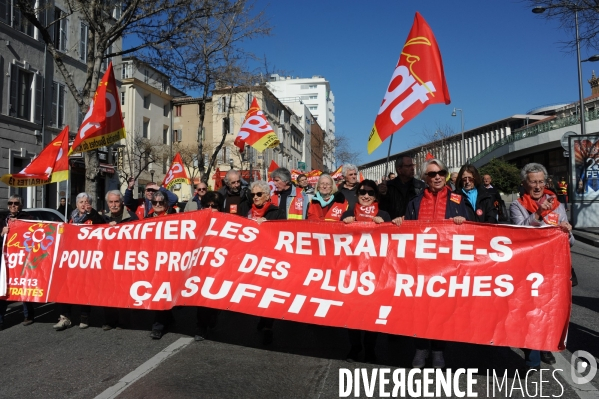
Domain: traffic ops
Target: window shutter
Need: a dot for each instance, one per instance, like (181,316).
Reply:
(38,98)
(12,101)
(4,4)
(61,100)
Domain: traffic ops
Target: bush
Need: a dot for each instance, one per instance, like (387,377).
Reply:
(506,176)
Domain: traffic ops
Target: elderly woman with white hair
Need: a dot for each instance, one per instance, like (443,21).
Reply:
(327,204)
(261,209)
(435,202)
(538,207)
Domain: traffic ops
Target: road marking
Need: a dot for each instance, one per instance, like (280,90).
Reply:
(144,369)
(584,391)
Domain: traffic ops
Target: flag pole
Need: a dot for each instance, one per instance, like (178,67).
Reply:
(67,196)
(388,154)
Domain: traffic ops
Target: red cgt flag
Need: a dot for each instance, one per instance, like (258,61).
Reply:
(176,174)
(417,82)
(50,166)
(256,131)
(103,124)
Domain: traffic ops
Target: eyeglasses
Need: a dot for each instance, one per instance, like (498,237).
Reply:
(13,203)
(366,192)
(539,183)
(201,188)
(161,203)
(441,173)
(256,195)
(213,206)
(151,190)
(466,178)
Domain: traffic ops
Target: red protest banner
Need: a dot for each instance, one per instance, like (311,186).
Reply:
(494,285)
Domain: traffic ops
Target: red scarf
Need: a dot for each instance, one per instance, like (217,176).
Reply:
(257,213)
(433,205)
(366,213)
(156,214)
(531,205)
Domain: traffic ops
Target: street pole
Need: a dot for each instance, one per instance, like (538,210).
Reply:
(463,160)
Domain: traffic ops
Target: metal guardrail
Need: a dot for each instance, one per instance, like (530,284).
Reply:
(536,129)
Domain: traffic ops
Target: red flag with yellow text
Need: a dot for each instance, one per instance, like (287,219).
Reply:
(176,173)
(103,124)
(417,82)
(50,166)
(256,131)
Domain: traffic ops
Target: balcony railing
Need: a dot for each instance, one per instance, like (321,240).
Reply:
(536,129)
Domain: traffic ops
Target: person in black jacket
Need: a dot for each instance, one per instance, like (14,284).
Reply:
(479,201)
(401,190)
(15,211)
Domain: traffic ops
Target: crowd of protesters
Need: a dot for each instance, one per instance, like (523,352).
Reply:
(459,196)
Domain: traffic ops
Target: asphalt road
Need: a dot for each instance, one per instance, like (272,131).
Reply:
(303,361)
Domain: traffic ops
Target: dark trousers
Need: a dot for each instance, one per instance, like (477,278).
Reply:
(28,311)
(115,316)
(162,318)
(355,338)
(65,310)
(207,317)
(435,345)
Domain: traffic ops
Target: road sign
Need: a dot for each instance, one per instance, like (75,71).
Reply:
(564,140)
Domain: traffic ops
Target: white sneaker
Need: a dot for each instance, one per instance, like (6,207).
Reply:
(420,358)
(438,360)
(63,324)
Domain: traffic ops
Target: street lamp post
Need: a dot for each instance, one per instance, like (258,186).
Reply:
(463,160)
(152,171)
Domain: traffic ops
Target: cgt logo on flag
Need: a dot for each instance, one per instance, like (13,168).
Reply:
(417,81)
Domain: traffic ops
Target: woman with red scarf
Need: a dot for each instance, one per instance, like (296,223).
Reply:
(262,209)
(537,207)
(327,204)
(365,210)
(436,202)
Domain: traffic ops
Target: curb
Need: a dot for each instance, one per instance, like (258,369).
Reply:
(587,238)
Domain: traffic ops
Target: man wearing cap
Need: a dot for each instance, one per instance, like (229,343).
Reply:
(142,206)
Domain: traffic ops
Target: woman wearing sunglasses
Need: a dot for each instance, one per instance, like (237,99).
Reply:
(261,209)
(365,210)
(161,317)
(327,204)
(436,202)
(479,202)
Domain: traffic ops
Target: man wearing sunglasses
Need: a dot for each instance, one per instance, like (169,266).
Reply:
(196,202)
(143,206)
(402,189)
(15,211)
(235,192)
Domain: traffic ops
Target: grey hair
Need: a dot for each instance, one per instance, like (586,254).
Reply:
(114,192)
(262,185)
(326,176)
(158,194)
(229,173)
(435,161)
(348,167)
(17,197)
(532,168)
(282,173)
(83,195)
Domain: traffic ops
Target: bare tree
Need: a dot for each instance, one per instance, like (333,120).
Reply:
(150,22)
(211,55)
(436,142)
(341,146)
(137,157)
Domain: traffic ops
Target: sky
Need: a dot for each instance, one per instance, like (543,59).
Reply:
(500,59)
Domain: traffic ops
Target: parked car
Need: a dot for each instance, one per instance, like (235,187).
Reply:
(45,214)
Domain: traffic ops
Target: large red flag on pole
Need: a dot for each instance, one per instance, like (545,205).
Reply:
(417,82)
(50,166)
(176,174)
(256,131)
(103,124)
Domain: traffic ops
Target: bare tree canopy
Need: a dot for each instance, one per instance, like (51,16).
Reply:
(344,153)
(563,12)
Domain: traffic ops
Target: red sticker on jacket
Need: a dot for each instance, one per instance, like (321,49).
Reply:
(457,198)
(552,218)
(479,212)
(233,208)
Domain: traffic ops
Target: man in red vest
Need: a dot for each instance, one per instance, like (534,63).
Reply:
(141,206)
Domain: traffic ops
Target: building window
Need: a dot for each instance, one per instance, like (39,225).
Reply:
(146,129)
(147,101)
(313,107)
(177,136)
(227,125)
(165,110)
(126,71)
(146,76)
(83,42)
(25,94)
(59,30)
(57,116)
(165,136)
(19,22)
(312,87)
(313,97)
(107,60)
(222,103)
(122,98)
(177,110)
